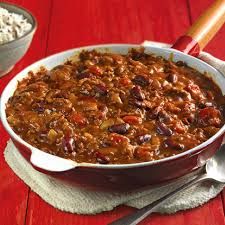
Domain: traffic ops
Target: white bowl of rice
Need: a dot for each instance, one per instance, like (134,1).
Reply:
(17,28)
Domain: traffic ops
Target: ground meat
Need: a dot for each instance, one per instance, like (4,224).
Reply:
(110,108)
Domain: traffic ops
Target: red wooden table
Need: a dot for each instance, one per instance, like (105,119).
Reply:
(68,24)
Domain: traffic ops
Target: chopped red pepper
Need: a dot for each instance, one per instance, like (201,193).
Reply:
(133,120)
(78,119)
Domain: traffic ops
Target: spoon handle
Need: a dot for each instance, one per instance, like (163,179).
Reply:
(140,214)
(203,29)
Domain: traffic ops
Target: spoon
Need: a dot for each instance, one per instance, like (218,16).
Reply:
(214,170)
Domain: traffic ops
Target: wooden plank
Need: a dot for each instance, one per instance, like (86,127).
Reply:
(216,46)
(13,192)
(94,22)
(208,214)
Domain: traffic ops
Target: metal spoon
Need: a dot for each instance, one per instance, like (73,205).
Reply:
(214,170)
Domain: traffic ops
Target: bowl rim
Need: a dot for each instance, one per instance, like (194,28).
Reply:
(74,164)
(34,22)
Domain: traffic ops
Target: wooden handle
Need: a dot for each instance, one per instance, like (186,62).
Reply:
(203,30)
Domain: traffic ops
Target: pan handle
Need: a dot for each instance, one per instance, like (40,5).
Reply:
(203,30)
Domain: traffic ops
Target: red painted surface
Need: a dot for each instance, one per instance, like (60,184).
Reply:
(67,24)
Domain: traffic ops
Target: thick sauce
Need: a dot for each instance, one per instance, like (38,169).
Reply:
(110,108)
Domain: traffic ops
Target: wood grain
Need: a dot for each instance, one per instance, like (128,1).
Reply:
(216,45)
(208,23)
(95,22)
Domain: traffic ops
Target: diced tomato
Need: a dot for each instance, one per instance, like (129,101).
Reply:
(209,116)
(134,120)
(208,112)
(95,70)
(78,119)
(118,138)
(125,81)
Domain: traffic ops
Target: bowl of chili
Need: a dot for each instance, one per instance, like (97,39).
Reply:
(167,124)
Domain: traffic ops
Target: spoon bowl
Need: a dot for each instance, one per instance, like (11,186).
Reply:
(215,167)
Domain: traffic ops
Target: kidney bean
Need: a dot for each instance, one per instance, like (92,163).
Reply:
(163,129)
(39,107)
(137,103)
(68,144)
(119,128)
(84,75)
(172,77)
(142,80)
(143,138)
(100,90)
(102,159)
(173,144)
(137,93)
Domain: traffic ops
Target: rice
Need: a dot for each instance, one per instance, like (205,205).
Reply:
(12,26)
